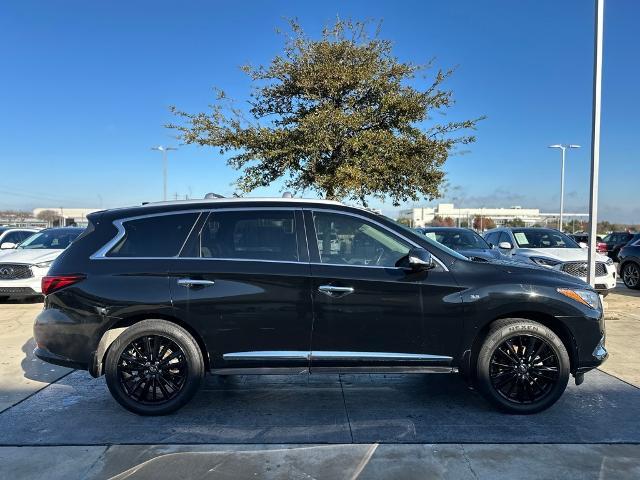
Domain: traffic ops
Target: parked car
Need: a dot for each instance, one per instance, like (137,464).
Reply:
(22,269)
(615,241)
(464,241)
(582,239)
(10,237)
(154,296)
(629,262)
(552,249)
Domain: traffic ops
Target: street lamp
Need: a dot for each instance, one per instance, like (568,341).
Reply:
(563,148)
(164,151)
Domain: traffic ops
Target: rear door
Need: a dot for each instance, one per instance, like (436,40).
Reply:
(243,282)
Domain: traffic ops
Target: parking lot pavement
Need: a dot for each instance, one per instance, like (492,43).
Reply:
(20,373)
(374,426)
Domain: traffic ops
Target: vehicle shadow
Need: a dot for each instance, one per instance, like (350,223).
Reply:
(624,291)
(36,369)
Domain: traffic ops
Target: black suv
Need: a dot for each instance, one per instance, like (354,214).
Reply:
(155,296)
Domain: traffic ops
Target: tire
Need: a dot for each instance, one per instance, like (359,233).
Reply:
(631,275)
(528,388)
(154,367)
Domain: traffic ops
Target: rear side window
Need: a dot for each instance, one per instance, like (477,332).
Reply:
(250,235)
(156,236)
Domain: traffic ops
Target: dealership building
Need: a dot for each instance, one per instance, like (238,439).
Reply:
(422,216)
(60,216)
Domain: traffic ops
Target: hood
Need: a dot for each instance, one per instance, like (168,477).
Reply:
(528,268)
(25,255)
(488,254)
(561,254)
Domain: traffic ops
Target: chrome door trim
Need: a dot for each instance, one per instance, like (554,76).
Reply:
(268,355)
(334,355)
(378,356)
(392,231)
(189,282)
(385,369)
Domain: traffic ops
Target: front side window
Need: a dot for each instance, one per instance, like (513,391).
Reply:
(348,240)
(155,236)
(250,235)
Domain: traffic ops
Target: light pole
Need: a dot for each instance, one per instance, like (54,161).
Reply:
(563,148)
(164,151)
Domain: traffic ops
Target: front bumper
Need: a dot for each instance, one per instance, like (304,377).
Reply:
(24,287)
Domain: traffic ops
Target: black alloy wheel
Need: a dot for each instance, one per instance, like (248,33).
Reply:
(524,369)
(154,367)
(631,275)
(522,366)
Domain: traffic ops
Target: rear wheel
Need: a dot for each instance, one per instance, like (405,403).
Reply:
(631,275)
(154,367)
(523,367)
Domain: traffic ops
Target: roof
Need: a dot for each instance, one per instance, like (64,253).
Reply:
(244,199)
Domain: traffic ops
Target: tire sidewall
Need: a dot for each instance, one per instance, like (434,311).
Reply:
(511,330)
(193,357)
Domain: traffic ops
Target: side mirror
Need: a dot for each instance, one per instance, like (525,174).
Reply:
(505,246)
(7,245)
(420,259)
(583,245)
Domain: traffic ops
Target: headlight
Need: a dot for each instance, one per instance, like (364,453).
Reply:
(545,262)
(586,297)
(44,264)
(609,261)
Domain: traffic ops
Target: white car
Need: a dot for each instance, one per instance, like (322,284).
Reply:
(10,237)
(552,249)
(22,269)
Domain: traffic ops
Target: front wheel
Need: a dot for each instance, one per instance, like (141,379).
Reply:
(523,367)
(154,367)
(631,275)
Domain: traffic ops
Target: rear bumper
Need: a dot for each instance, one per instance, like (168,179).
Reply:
(46,356)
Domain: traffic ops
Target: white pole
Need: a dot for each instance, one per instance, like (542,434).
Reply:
(562,188)
(595,141)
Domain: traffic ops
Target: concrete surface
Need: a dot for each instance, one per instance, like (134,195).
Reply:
(372,426)
(332,462)
(622,313)
(20,373)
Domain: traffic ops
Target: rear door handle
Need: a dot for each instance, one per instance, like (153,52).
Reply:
(334,291)
(188,282)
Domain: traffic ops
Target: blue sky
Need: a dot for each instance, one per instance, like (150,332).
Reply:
(85,86)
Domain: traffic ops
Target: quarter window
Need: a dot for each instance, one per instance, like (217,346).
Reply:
(155,236)
(347,240)
(250,235)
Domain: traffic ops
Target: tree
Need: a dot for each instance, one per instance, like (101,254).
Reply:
(483,223)
(49,216)
(339,115)
(515,222)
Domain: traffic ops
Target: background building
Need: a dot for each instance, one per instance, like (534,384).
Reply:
(59,216)
(422,216)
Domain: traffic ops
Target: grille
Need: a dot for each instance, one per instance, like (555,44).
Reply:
(14,271)
(579,269)
(17,291)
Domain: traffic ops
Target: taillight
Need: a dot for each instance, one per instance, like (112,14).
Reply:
(54,283)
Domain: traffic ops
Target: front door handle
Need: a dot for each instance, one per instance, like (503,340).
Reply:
(188,282)
(334,291)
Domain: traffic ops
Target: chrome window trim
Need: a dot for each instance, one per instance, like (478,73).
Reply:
(393,232)
(101,253)
(333,355)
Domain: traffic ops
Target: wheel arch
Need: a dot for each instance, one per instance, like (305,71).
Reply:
(470,356)
(96,367)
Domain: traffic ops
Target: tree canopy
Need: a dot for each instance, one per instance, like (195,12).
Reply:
(339,115)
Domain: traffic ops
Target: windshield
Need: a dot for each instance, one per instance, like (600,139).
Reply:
(458,239)
(412,234)
(542,238)
(50,239)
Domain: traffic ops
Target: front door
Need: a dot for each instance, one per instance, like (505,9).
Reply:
(367,311)
(243,281)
